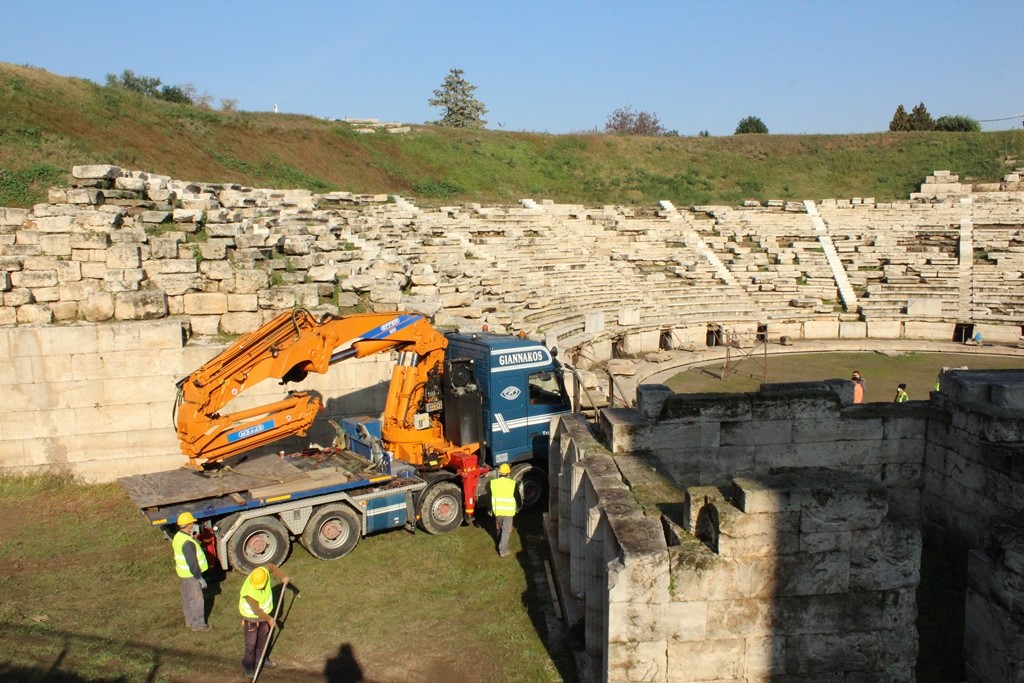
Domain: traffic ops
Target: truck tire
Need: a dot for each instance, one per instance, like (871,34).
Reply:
(258,541)
(531,486)
(331,532)
(440,508)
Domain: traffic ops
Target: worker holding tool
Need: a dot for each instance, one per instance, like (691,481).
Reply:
(190,563)
(503,505)
(255,603)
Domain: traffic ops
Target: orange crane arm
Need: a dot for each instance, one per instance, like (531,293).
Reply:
(288,348)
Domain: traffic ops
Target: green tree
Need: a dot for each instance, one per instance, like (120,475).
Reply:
(129,80)
(624,121)
(900,121)
(957,124)
(455,98)
(920,119)
(750,124)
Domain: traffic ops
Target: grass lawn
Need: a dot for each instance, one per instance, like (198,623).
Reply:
(882,372)
(89,594)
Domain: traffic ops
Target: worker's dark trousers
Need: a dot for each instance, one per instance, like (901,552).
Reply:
(192,603)
(255,636)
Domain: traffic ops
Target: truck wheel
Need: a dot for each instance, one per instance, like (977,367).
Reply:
(331,532)
(531,486)
(257,542)
(440,508)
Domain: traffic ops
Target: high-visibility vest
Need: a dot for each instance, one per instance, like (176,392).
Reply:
(180,565)
(503,497)
(264,597)
(858,392)
(901,397)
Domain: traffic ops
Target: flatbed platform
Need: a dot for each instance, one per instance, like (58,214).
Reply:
(246,481)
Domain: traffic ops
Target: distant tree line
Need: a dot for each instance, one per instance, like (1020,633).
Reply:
(150,86)
(920,119)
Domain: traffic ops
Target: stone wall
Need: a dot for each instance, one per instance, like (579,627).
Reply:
(791,524)
(131,245)
(97,400)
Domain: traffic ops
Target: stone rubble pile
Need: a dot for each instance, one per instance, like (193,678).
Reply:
(130,245)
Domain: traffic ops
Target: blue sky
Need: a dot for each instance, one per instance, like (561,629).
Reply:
(801,66)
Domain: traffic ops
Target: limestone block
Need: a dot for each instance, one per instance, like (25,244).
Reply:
(34,314)
(68,271)
(32,279)
(5,281)
(219,270)
(50,224)
(177,284)
(124,256)
(130,184)
(206,325)
(821,329)
(18,297)
(818,654)
(853,329)
(637,661)
(95,172)
(8,315)
(885,559)
(56,244)
(765,496)
(98,222)
(155,217)
(98,306)
(832,430)
(140,305)
(841,507)
(240,322)
(212,250)
(79,290)
(913,329)
(251,282)
(85,196)
(639,343)
(748,616)
(165,247)
(276,299)
(324,273)
(197,303)
(707,660)
(242,303)
(642,622)
(884,329)
(756,433)
(46,295)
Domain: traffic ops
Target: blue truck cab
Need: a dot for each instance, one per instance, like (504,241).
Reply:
(515,386)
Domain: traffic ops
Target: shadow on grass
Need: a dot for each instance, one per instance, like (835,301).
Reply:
(539,601)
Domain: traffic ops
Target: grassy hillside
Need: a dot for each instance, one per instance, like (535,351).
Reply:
(49,123)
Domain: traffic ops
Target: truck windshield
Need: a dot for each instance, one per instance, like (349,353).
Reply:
(544,389)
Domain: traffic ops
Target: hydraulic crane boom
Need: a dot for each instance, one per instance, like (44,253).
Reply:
(288,348)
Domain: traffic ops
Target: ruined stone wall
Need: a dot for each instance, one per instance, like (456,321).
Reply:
(96,400)
(803,576)
(795,551)
(710,439)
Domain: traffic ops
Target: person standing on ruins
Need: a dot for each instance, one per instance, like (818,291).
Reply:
(860,387)
(901,394)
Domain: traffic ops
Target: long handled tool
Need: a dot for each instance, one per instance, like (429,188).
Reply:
(270,632)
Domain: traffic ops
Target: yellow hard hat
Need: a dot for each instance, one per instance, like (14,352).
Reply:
(259,577)
(186,518)
(503,468)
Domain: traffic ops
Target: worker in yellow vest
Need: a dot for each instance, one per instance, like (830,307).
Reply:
(255,604)
(503,505)
(190,563)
